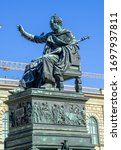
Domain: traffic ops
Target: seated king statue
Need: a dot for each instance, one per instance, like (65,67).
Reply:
(60,49)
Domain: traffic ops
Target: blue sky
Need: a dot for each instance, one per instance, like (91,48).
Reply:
(82,17)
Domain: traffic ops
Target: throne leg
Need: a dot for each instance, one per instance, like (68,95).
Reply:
(59,82)
(78,86)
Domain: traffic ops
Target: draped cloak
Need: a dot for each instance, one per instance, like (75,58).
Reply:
(59,52)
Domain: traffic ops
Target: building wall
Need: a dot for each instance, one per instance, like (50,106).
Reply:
(94,107)
(3,108)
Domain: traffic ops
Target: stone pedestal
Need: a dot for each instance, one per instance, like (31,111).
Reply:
(43,119)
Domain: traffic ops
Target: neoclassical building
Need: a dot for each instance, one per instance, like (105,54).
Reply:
(94,112)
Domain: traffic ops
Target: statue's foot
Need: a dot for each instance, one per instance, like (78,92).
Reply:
(17,90)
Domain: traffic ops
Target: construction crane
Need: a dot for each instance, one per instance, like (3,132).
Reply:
(9,65)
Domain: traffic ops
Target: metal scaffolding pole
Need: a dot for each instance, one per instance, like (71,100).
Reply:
(9,65)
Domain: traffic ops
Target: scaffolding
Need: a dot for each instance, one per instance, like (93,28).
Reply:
(9,65)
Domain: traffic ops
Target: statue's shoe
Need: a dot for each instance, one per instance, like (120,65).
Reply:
(17,90)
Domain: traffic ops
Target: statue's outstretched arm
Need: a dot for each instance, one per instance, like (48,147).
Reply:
(26,35)
(30,37)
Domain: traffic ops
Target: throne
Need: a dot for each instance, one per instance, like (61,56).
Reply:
(74,71)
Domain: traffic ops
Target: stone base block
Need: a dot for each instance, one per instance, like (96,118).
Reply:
(44,119)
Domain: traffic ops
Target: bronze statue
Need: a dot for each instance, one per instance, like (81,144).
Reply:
(60,49)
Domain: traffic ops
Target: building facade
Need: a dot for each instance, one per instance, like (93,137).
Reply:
(95,118)
(94,112)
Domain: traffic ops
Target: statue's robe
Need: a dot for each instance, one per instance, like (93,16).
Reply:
(59,52)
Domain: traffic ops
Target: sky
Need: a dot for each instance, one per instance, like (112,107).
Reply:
(82,17)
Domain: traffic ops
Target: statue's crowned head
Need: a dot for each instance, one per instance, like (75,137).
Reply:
(56,23)
(56,19)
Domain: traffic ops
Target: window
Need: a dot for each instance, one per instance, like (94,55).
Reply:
(93,130)
(5,120)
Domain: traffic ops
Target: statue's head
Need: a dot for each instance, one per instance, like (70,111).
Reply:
(56,23)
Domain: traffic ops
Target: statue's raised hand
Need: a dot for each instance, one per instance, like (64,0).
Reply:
(20,28)
(25,34)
